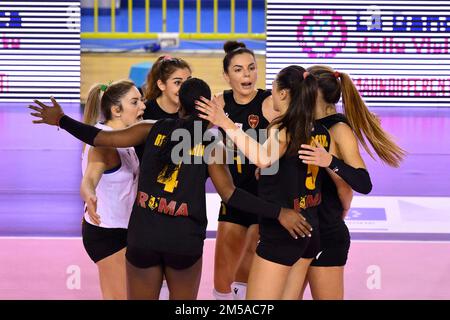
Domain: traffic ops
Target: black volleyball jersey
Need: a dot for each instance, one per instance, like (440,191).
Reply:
(169,215)
(153,112)
(294,185)
(249,118)
(330,210)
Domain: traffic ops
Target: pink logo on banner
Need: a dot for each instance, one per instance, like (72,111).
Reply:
(10,43)
(315,45)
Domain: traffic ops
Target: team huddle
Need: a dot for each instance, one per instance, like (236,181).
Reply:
(285,163)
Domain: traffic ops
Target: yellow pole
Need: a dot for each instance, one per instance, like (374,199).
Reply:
(147,15)
(265,16)
(232,16)
(199,10)
(184,36)
(216,10)
(113,16)
(181,19)
(164,13)
(249,16)
(130,15)
(95,15)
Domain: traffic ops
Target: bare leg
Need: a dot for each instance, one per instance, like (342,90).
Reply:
(239,286)
(230,237)
(144,283)
(296,278)
(327,283)
(112,274)
(246,259)
(305,284)
(183,284)
(266,280)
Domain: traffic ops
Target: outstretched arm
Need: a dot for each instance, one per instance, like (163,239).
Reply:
(261,155)
(131,136)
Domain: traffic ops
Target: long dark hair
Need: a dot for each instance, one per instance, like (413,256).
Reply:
(299,116)
(233,48)
(190,91)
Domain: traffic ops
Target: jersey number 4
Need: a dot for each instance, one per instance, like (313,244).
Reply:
(171,182)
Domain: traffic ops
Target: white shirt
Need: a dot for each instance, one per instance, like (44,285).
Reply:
(116,191)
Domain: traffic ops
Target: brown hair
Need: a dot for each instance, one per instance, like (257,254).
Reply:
(233,48)
(298,118)
(162,69)
(364,123)
(102,97)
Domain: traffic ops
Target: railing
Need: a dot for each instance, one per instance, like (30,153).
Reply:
(146,33)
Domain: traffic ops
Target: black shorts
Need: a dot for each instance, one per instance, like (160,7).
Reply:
(334,249)
(230,214)
(289,254)
(146,258)
(100,242)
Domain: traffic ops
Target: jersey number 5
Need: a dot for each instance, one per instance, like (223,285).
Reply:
(311,177)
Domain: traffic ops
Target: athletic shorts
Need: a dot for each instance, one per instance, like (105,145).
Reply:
(289,254)
(147,258)
(100,242)
(230,214)
(334,249)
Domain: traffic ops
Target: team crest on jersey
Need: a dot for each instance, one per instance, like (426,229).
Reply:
(253,121)
(153,202)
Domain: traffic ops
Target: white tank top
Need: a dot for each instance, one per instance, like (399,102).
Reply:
(116,191)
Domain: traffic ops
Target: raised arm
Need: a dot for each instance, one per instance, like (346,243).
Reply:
(261,155)
(131,136)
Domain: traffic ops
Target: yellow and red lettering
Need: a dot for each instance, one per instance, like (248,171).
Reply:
(167,208)
(182,210)
(141,198)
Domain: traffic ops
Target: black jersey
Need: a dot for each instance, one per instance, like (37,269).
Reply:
(251,120)
(153,112)
(295,185)
(169,215)
(330,210)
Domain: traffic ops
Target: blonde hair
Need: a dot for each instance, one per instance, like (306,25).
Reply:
(102,97)
(364,123)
